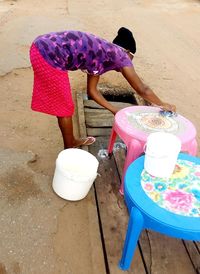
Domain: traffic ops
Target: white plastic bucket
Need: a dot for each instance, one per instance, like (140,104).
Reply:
(75,173)
(161,154)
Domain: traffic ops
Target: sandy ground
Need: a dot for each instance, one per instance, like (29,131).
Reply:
(168,59)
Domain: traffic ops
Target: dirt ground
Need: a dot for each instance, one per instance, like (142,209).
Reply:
(167,59)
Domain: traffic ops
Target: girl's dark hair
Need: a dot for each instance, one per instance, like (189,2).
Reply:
(125,40)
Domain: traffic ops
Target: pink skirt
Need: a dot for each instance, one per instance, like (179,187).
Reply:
(51,88)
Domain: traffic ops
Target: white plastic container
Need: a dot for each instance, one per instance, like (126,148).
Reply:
(75,173)
(161,154)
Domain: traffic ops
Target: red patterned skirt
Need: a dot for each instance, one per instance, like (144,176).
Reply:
(51,88)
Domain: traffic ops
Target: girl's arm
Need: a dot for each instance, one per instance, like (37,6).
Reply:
(143,90)
(96,95)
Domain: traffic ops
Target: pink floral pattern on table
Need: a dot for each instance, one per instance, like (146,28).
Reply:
(180,193)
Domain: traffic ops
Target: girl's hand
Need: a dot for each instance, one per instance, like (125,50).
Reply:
(115,110)
(168,107)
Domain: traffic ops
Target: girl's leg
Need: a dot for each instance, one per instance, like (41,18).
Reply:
(66,127)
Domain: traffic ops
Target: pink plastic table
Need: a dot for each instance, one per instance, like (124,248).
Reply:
(134,124)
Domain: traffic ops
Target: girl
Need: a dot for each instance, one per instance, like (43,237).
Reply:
(53,54)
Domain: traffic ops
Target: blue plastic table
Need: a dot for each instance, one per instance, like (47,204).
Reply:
(146,214)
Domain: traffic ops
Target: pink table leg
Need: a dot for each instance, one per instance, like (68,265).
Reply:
(112,140)
(191,147)
(134,150)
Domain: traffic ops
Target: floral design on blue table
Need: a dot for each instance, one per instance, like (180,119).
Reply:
(180,193)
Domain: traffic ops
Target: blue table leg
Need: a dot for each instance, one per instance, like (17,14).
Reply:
(135,226)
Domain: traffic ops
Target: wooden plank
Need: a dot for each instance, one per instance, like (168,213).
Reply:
(98,131)
(164,254)
(194,254)
(93,104)
(99,123)
(78,241)
(120,156)
(98,118)
(85,224)
(113,212)
(198,245)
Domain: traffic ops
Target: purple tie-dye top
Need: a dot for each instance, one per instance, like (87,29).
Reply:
(72,50)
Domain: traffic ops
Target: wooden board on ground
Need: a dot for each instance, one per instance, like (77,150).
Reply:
(164,254)
(94,105)
(86,254)
(98,120)
(98,117)
(112,212)
(78,238)
(193,249)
